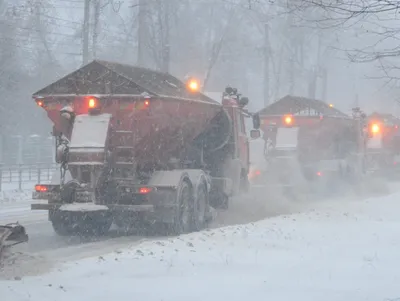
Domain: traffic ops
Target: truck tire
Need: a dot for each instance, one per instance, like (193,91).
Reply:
(184,213)
(200,207)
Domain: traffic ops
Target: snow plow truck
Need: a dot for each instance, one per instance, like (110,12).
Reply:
(383,146)
(140,148)
(309,146)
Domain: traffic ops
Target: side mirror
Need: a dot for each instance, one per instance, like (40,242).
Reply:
(243,101)
(256,121)
(255,134)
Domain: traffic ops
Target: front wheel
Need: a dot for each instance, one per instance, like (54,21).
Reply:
(200,208)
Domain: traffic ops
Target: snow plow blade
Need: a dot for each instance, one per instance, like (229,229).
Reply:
(10,235)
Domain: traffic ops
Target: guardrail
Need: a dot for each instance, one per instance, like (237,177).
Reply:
(18,174)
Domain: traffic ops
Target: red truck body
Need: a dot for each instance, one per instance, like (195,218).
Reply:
(383,146)
(326,144)
(137,144)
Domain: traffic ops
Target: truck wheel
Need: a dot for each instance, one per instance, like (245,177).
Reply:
(200,208)
(184,214)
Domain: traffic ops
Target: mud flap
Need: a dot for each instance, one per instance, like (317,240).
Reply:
(10,235)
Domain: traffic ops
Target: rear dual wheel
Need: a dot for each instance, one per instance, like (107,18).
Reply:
(191,210)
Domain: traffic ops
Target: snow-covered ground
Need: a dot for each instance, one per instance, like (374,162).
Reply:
(342,250)
(10,192)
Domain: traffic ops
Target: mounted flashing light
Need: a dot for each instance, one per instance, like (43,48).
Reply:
(331,105)
(93,102)
(288,119)
(375,128)
(193,85)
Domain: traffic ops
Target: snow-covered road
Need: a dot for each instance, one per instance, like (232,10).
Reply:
(16,208)
(341,250)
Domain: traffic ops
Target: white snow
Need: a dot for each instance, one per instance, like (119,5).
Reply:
(90,131)
(345,250)
(287,137)
(83,207)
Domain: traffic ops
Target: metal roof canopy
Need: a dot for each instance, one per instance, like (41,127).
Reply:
(295,104)
(110,78)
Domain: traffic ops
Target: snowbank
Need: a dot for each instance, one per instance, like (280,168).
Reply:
(339,251)
(14,195)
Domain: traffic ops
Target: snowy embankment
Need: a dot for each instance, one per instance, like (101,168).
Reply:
(337,251)
(15,205)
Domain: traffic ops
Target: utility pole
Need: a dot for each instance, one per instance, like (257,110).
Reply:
(96,15)
(293,52)
(266,64)
(85,31)
(324,83)
(141,33)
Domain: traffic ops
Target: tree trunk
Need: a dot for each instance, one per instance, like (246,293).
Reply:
(266,65)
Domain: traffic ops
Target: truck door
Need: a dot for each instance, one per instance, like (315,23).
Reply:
(242,139)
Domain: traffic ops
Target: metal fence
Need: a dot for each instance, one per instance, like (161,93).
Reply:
(23,149)
(17,174)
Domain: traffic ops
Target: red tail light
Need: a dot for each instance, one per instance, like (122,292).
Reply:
(253,174)
(41,188)
(319,174)
(145,190)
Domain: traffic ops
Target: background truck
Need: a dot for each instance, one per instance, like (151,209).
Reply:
(309,144)
(139,147)
(383,145)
